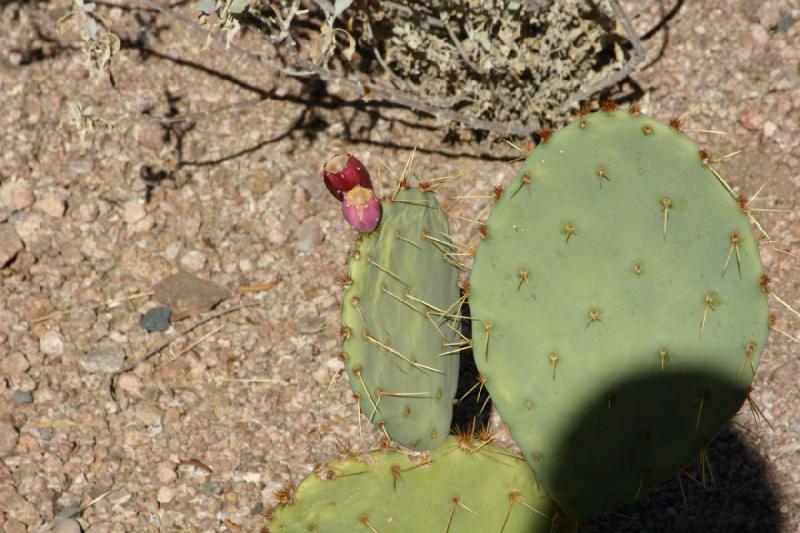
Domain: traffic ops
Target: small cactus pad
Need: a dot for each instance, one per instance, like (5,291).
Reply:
(401,343)
(619,318)
(464,486)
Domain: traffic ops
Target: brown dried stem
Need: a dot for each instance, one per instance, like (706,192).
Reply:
(636,59)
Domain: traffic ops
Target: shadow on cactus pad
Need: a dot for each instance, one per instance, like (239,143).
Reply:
(738,499)
(656,425)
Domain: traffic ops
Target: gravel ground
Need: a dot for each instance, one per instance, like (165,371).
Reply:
(200,435)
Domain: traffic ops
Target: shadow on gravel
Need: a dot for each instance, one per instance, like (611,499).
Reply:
(473,410)
(741,499)
(737,496)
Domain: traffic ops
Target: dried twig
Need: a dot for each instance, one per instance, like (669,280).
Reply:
(460,49)
(636,59)
(109,304)
(192,346)
(367,90)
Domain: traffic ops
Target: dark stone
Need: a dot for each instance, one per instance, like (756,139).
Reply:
(68,512)
(21,398)
(212,487)
(156,319)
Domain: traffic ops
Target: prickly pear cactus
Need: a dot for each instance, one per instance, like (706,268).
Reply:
(401,345)
(464,486)
(618,307)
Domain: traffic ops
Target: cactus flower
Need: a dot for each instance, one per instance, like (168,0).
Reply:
(343,172)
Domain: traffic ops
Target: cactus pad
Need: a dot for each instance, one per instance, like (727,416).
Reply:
(464,486)
(401,345)
(618,313)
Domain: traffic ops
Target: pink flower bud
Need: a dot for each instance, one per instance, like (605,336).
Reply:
(362,209)
(343,172)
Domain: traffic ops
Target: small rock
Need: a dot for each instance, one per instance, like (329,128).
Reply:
(193,260)
(131,383)
(80,166)
(51,343)
(186,294)
(751,118)
(21,509)
(8,437)
(769,14)
(759,35)
(144,225)
(16,195)
(108,359)
(309,324)
(10,244)
(153,135)
(148,414)
(165,494)
(51,205)
(15,364)
(299,206)
(68,512)
(67,526)
(33,230)
(166,473)
(119,497)
(786,22)
(88,212)
(21,398)
(277,236)
(133,211)
(172,251)
(334,363)
(769,129)
(310,237)
(13,526)
(156,319)
(211,487)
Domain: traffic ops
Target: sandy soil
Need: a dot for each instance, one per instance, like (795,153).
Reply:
(201,435)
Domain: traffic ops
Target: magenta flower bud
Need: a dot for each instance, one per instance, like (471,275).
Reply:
(343,172)
(362,209)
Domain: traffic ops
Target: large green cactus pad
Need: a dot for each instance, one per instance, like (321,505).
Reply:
(619,313)
(401,346)
(464,486)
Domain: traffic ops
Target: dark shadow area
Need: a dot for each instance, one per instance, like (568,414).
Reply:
(313,94)
(49,49)
(642,419)
(740,499)
(662,26)
(474,410)
(151,178)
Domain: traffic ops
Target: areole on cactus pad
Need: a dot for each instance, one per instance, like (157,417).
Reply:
(618,312)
